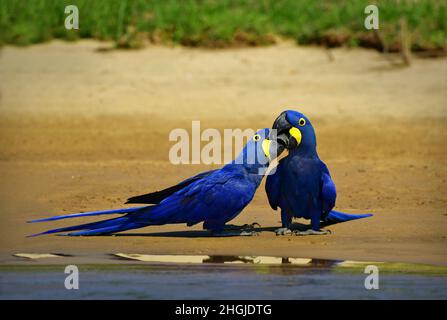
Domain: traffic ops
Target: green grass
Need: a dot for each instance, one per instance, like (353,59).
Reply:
(357,268)
(395,268)
(213,23)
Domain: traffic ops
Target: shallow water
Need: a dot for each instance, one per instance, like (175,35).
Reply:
(216,279)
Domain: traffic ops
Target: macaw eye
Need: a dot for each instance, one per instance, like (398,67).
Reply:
(302,122)
(257,137)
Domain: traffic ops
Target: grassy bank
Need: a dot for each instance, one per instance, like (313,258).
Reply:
(208,23)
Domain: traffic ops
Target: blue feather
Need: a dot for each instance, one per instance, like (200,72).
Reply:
(336,216)
(86,226)
(92,213)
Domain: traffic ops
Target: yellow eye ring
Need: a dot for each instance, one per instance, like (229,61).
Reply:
(302,122)
(256,137)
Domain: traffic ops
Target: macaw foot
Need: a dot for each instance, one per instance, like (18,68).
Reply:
(245,227)
(235,233)
(311,232)
(283,231)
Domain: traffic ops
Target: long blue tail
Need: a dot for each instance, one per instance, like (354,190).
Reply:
(336,217)
(101,227)
(92,213)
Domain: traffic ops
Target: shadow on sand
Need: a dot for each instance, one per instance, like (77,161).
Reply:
(204,233)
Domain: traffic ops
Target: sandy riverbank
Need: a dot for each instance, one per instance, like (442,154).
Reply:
(82,129)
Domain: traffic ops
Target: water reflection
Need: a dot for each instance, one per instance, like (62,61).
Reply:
(227,259)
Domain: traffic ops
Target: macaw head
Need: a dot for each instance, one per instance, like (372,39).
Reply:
(259,150)
(293,130)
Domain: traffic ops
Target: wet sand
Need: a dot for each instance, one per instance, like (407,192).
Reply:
(82,129)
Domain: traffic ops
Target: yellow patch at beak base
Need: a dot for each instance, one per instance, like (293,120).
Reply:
(266,147)
(296,134)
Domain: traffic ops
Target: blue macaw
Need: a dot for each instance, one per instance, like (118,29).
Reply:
(301,184)
(213,197)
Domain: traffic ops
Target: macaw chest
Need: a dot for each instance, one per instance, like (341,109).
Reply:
(302,186)
(305,173)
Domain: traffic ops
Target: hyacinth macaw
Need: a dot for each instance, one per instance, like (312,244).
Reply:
(213,197)
(302,185)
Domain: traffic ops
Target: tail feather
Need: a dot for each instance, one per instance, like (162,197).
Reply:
(92,213)
(85,226)
(100,227)
(106,230)
(336,217)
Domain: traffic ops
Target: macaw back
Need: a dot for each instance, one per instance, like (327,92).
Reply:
(215,200)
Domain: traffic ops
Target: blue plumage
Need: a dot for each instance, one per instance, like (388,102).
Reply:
(213,197)
(302,185)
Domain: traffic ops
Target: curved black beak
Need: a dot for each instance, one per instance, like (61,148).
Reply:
(280,132)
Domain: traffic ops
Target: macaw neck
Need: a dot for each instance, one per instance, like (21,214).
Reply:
(254,172)
(308,145)
(308,150)
(252,168)
(251,161)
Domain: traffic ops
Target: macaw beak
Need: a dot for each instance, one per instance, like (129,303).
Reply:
(271,149)
(266,147)
(283,132)
(296,134)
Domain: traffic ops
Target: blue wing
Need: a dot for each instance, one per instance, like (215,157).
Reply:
(328,191)
(215,199)
(273,187)
(158,196)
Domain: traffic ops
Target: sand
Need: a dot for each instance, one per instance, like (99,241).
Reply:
(83,129)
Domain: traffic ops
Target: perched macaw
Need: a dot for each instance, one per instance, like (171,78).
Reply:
(213,197)
(302,185)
